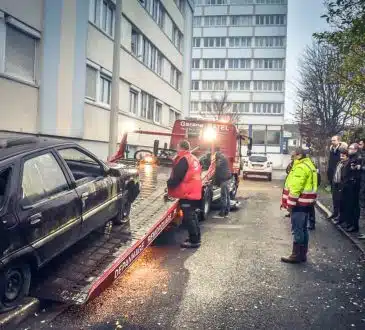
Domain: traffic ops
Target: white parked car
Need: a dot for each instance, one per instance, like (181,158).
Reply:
(257,165)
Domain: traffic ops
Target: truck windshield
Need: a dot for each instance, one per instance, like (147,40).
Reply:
(258,159)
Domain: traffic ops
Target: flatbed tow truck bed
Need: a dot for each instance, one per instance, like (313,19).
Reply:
(87,268)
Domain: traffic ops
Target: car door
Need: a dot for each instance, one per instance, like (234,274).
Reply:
(49,208)
(96,189)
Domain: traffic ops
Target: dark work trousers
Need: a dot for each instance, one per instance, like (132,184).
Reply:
(225,200)
(350,208)
(190,219)
(336,198)
(312,216)
(299,223)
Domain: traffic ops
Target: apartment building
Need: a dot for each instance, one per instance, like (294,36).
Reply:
(239,49)
(56,67)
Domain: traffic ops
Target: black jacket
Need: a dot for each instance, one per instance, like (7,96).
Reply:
(333,160)
(350,176)
(222,171)
(178,173)
(362,179)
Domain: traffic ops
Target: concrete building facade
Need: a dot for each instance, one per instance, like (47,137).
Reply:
(239,49)
(56,67)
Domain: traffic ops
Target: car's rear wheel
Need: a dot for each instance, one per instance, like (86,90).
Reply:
(269,177)
(14,285)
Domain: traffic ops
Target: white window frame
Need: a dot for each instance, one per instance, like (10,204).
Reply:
(101,73)
(96,8)
(136,95)
(30,32)
(158,103)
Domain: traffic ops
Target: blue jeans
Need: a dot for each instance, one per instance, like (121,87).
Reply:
(225,200)
(299,223)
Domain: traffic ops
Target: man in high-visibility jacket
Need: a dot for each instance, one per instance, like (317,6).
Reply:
(299,195)
(185,183)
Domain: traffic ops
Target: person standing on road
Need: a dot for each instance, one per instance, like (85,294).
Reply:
(312,211)
(362,183)
(334,158)
(350,189)
(222,179)
(299,194)
(287,170)
(185,183)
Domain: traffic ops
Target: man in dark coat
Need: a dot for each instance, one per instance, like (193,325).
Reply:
(350,185)
(222,179)
(334,158)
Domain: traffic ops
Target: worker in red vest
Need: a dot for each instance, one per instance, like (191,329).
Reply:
(185,183)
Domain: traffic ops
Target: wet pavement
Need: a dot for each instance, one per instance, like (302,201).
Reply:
(235,280)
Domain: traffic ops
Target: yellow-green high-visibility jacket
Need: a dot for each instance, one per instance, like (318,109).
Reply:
(300,187)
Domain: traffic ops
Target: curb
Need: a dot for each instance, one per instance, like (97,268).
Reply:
(327,212)
(12,319)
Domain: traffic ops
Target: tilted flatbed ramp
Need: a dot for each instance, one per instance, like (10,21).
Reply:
(85,269)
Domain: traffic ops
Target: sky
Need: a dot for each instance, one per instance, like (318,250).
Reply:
(303,20)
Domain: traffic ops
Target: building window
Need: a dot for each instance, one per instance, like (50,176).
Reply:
(269,63)
(197,21)
(241,20)
(215,2)
(242,107)
(102,14)
(239,63)
(195,63)
(135,42)
(258,137)
(268,108)
(181,5)
(175,77)
(159,63)
(269,85)
(196,42)
(270,42)
(242,2)
(156,10)
(213,85)
(271,2)
(151,107)
(158,112)
(214,42)
(171,117)
(20,53)
(133,102)
(240,42)
(105,92)
(270,19)
(194,107)
(98,85)
(144,50)
(144,105)
(177,38)
(273,138)
(91,79)
(239,85)
(215,20)
(214,63)
(195,85)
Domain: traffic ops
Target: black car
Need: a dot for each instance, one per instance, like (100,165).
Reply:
(52,193)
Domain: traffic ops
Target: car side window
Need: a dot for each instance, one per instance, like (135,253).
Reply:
(42,178)
(4,185)
(83,167)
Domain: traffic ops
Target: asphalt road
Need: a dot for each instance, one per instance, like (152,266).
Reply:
(235,280)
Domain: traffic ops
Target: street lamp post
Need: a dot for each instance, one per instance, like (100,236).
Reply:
(114,102)
(301,123)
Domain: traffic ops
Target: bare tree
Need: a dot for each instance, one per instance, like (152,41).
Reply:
(220,108)
(323,109)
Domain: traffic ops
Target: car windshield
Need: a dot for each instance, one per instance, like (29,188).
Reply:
(258,159)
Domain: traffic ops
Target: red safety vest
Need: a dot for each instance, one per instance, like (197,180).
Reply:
(191,186)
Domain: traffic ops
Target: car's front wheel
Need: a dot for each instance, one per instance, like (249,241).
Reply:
(14,285)
(122,216)
(206,204)
(269,177)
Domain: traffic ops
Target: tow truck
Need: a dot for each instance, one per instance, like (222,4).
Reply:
(94,263)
